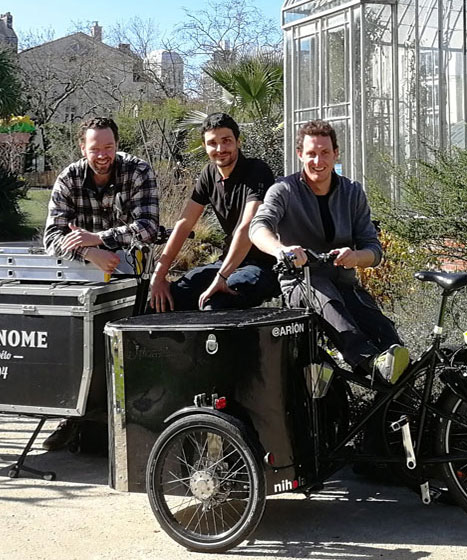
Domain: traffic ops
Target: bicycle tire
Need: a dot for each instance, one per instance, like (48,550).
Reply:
(451,437)
(205,484)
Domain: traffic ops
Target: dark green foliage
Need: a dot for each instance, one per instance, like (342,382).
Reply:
(255,85)
(12,190)
(61,146)
(265,140)
(10,88)
(432,211)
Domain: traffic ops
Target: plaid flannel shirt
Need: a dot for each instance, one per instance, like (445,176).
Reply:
(76,200)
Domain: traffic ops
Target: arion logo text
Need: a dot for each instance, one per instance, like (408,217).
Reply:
(294,328)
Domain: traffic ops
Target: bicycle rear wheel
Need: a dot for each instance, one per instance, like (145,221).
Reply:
(451,437)
(205,484)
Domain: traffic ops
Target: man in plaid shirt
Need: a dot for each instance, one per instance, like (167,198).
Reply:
(82,222)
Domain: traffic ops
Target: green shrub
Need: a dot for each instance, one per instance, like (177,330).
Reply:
(12,220)
(393,280)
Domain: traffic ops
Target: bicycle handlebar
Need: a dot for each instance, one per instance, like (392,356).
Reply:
(286,264)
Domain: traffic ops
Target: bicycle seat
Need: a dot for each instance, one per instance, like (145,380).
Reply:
(450,281)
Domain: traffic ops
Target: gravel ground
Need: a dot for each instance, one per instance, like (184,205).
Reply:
(79,517)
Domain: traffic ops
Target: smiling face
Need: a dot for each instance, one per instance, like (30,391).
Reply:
(99,148)
(222,149)
(318,158)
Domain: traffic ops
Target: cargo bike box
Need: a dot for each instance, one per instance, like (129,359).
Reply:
(158,363)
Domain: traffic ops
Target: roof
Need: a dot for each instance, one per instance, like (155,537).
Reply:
(82,36)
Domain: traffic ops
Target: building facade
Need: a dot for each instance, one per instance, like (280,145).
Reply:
(78,76)
(8,36)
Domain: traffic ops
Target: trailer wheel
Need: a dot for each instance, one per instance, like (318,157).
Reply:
(205,485)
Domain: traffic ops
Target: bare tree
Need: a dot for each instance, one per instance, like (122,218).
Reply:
(227,27)
(142,35)
(223,32)
(161,65)
(33,38)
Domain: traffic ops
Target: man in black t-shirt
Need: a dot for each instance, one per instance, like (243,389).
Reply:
(234,186)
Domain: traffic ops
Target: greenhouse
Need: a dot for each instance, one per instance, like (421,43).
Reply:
(389,74)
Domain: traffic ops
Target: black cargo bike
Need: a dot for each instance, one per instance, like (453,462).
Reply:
(248,403)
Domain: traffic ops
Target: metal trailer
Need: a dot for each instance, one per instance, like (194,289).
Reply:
(52,317)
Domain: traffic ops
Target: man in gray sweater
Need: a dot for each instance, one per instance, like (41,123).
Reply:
(317,209)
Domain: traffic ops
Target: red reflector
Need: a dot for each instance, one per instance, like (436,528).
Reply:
(221,403)
(269,459)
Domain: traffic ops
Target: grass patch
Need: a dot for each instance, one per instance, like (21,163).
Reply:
(34,206)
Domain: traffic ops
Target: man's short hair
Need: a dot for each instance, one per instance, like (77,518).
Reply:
(97,122)
(316,128)
(219,120)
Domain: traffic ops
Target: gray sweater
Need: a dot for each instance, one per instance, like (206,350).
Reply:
(290,209)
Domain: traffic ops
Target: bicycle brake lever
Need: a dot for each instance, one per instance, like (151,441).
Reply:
(285,263)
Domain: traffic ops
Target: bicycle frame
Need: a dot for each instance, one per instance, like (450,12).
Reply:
(427,363)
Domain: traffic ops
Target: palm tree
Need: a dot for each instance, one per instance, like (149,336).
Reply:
(10,86)
(253,86)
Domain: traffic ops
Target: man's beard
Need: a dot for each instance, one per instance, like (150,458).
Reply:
(102,169)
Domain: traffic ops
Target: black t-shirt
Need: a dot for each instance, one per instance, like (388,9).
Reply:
(248,181)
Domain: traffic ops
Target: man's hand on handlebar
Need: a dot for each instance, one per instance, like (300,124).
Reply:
(294,253)
(345,257)
(161,299)
(105,260)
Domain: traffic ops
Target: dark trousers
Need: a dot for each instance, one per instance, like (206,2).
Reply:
(252,283)
(350,316)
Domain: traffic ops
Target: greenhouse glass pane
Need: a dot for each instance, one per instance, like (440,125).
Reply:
(307,115)
(336,111)
(336,65)
(453,70)
(378,79)
(308,72)
(294,13)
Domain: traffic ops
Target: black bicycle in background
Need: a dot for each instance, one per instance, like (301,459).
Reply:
(209,471)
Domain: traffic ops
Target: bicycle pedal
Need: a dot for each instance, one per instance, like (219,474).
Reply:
(435,493)
(425,493)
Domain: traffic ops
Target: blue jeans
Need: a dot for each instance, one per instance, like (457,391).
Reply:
(252,283)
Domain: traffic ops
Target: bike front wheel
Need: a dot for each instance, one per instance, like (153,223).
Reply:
(451,437)
(205,484)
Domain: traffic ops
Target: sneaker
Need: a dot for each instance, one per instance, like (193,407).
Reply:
(62,436)
(392,363)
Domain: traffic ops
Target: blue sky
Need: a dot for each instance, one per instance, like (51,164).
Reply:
(36,15)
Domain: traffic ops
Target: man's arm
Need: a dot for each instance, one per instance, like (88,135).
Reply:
(265,224)
(268,242)
(61,212)
(367,251)
(160,287)
(238,250)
